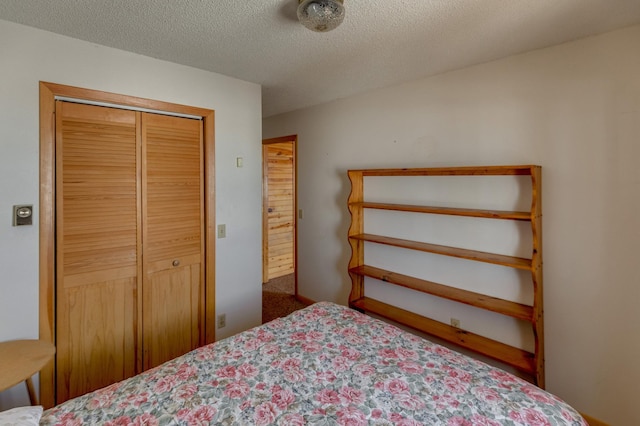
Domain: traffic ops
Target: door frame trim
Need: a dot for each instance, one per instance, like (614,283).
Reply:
(293,139)
(48,93)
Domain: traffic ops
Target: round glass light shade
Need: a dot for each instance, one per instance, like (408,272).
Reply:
(320,15)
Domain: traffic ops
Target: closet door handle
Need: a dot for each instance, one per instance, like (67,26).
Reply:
(176,262)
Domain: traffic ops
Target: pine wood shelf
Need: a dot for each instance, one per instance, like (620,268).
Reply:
(515,357)
(487,214)
(479,300)
(479,256)
(522,170)
(531,363)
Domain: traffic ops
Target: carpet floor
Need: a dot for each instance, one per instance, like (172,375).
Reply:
(278,298)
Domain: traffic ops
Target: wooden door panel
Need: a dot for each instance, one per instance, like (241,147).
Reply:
(99,321)
(281,210)
(97,233)
(172,299)
(173,212)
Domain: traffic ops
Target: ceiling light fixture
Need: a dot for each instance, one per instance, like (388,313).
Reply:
(320,15)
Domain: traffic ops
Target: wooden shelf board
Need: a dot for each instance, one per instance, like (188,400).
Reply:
(523,170)
(515,357)
(496,259)
(483,301)
(488,214)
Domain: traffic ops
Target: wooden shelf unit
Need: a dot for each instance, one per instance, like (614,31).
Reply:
(531,363)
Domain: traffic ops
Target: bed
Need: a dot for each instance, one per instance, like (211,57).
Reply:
(324,365)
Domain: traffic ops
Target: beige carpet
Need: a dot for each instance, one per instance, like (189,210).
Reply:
(278,298)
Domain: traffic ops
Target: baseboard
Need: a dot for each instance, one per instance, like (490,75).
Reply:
(592,421)
(304,300)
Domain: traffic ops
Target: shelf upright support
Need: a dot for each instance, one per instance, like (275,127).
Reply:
(536,273)
(356,197)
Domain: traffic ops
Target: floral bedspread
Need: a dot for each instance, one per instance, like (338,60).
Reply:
(323,365)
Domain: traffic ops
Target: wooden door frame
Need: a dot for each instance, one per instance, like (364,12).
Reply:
(47,208)
(265,199)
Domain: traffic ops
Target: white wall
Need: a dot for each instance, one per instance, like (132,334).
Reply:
(575,110)
(28,56)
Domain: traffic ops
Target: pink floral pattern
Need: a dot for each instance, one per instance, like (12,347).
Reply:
(323,365)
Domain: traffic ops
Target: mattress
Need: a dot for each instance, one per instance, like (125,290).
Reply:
(323,365)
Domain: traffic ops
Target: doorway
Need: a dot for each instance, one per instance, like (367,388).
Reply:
(279,201)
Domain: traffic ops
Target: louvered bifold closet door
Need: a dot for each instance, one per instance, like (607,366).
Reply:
(97,238)
(173,212)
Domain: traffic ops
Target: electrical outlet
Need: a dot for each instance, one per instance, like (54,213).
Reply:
(222,231)
(455,322)
(222,320)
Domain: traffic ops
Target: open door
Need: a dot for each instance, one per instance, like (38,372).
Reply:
(279,202)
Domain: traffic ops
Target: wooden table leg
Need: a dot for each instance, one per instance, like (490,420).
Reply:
(32,392)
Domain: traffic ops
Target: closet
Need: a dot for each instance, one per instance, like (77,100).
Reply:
(129,243)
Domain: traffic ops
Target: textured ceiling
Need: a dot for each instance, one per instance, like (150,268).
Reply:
(380,43)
